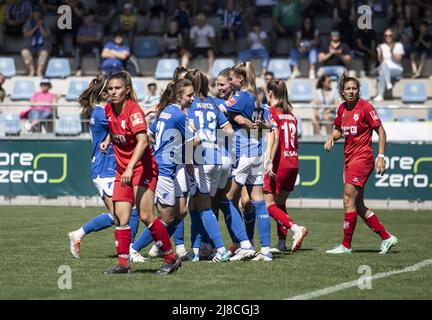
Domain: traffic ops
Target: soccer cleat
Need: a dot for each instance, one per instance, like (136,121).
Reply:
(387,244)
(263,257)
(339,250)
(75,245)
(118,269)
(221,257)
(135,256)
(232,249)
(168,268)
(154,252)
(243,254)
(184,255)
(298,238)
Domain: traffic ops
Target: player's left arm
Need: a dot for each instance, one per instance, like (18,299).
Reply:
(141,146)
(274,134)
(382,140)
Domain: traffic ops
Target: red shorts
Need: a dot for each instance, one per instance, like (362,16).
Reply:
(146,179)
(284,181)
(357,173)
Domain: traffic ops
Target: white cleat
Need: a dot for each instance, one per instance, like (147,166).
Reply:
(339,250)
(75,245)
(387,244)
(135,256)
(154,252)
(243,254)
(263,257)
(298,238)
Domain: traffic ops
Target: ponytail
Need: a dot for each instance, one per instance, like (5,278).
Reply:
(280,92)
(92,95)
(247,70)
(199,81)
(172,90)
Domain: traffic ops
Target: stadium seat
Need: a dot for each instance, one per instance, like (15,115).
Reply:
(7,66)
(68,124)
(407,118)
(139,87)
(220,64)
(300,91)
(146,47)
(299,126)
(414,92)
(75,88)
(12,124)
(165,69)
(364,90)
(58,68)
(281,68)
(22,90)
(429,114)
(385,114)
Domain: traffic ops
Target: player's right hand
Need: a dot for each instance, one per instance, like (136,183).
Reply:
(329,144)
(104,146)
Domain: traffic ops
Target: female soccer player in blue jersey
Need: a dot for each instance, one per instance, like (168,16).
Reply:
(103,167)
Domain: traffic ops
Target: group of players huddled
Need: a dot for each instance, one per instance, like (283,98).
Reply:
(192,153)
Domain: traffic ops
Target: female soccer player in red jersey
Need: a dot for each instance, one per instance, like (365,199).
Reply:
(355,120)
(136,174)
(282,162)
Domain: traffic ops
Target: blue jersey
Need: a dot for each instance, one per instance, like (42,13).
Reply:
(170,131)
(102,164)
(266,118)
(207,117)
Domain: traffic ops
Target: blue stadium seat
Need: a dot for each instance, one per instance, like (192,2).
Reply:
(22,90)
(281,68)
(76,87)
(220,64)
(429,114)
(385,114)
(407,118)
(7,66)
(364,90)
(139,87)
(165,68)
(299,126)
(58,68)
(68,124)
(300,91)
(12,124)
(414,92)
(146,47)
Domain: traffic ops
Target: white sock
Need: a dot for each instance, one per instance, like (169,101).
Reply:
(221,250)
(79,233)
(295,228)
(245,244)
(265,250)
(180,248)
(196,251)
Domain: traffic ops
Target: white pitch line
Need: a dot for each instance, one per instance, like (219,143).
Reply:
(354,283)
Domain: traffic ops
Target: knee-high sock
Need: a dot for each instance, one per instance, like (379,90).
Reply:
(281,229)
(122,237)
(145,238)
(178,234)
(233,221)
(98,223)
(196,228)
(134,223)
(280,216)
(211,225)
(263,223)
(249,221)
(350,221)
(161,238)
(376,226)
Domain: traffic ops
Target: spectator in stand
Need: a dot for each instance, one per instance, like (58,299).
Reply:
(421,49)
(17,13)
(334,57)
(403,33)
(390,54)
(397,8)
(128,24)
(231,24)
(286,18)
(184,21)
(88,41)
(40,112)
(257,39)
(365,41)
(174,44)
(115,54)
(38,42)
(343,20)
(50,7)
(3,8)
(379,7)
(109,9)
(428,18)
(2,91)
(306,43)
(418,10)
(324,103)
(202,37)
(152,97)
(157,9)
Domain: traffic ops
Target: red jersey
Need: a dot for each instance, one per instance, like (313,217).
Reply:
(123,128)
(287,153)
(356,126)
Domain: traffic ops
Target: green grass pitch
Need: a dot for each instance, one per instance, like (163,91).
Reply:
(34,246)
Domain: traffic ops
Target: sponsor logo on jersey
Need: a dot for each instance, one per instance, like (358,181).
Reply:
(356,117)
(123,124)
(231,102)
(136,119)
(374,115)
(109,119)
(355,179)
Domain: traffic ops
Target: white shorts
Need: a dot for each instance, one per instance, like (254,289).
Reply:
(182,179)
(206,179)
(248,171)
(167,190)
(105,186)
(225,172)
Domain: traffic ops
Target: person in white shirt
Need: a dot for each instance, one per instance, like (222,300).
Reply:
(257,39)
(390,54)
(202,37)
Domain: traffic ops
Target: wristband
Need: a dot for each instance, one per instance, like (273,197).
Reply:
(380,155)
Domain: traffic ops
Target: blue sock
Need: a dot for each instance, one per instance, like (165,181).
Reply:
(263,223)
(211,225)
(98,223)
(233,221)
(143,240)
(178,234)
(133,224)
(196,228)
(249,221)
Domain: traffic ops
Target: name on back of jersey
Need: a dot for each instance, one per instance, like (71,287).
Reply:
(165,115)
(284,116)
(290,154)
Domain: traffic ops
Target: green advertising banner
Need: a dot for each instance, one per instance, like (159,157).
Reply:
(62,167)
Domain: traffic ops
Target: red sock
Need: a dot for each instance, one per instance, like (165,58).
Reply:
(282,231)
(122,236)
(377,226)
(350,221)
(161,238)
(280,216)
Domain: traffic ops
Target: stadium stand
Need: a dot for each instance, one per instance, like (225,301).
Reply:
(414,92)
(58,68)
(139,87)
(12,124)
(220,64)
(23,89)
(68,125)
(165,68)
(385,114)
(146,47)
(280,67)
(7,66)
(407,118)
(75,87)
(301,91)
(364,90)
